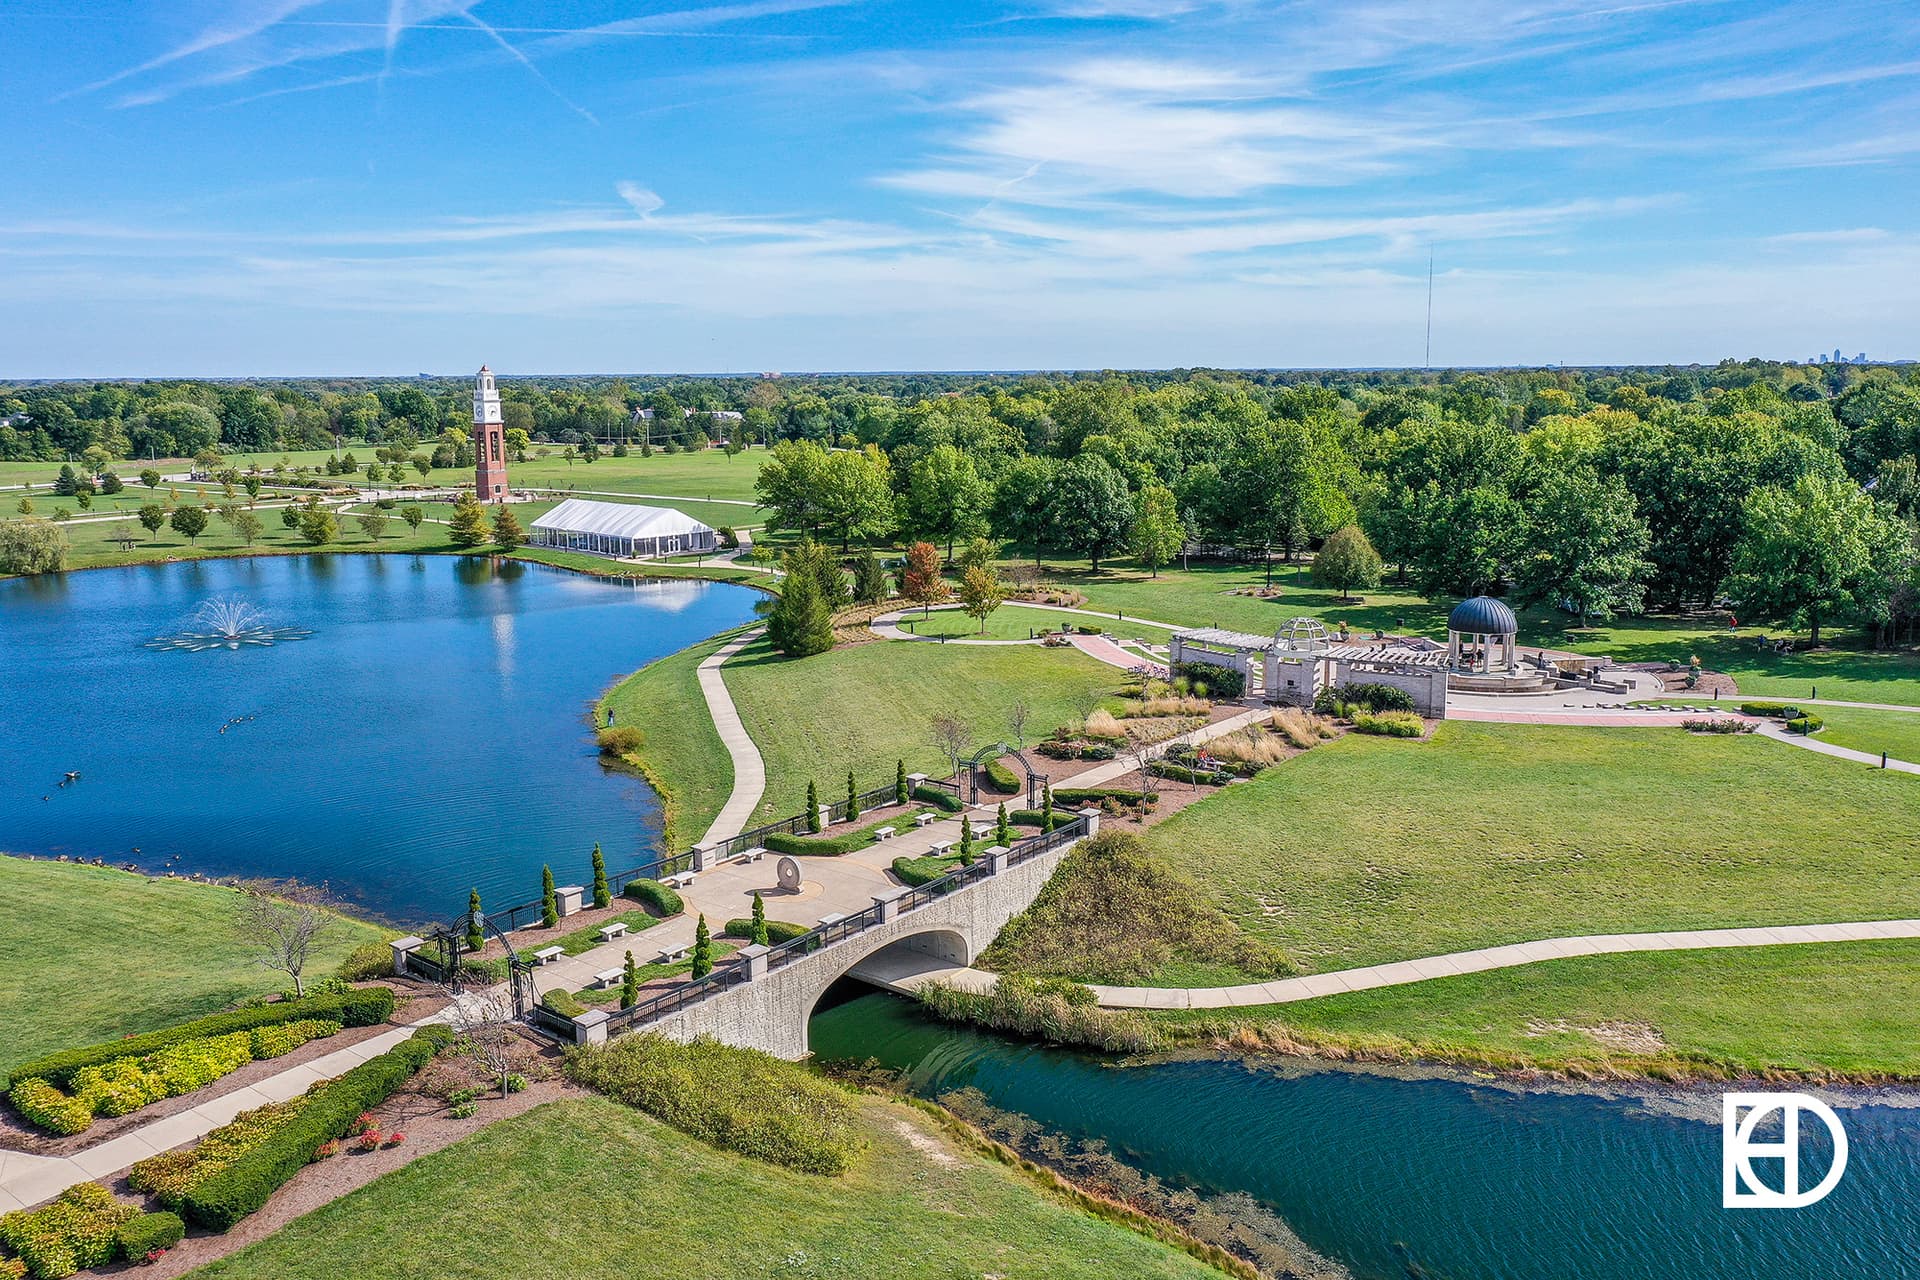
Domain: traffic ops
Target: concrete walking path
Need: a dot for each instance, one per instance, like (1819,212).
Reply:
(1101,649)
(904,974)
(1775,730)
(749,770)
(27,1179)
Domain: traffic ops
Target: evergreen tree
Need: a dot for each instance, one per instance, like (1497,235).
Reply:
(549,902)
(799,623)
(853,798)
(507,533)
(1002,828)
(476,939)
(759,920)
(900,793)
(602,895)
(1046,807)
(468,527)
(966,838)
(702,949)
(869,579)
(629,984)
(813,808)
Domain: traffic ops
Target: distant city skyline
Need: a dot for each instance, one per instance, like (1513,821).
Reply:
(305,187)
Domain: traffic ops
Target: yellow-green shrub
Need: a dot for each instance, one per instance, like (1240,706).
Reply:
(75,1232)
(41,1104)
(170,1175)
(271,1042)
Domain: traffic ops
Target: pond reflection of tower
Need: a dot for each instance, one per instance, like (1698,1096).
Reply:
(489,440)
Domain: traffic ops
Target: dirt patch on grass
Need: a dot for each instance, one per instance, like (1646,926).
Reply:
(925,1143)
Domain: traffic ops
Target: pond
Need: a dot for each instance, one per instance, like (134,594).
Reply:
(429,735)
(1407,1175)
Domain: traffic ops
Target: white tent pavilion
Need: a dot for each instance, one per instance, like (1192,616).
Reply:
(621,529)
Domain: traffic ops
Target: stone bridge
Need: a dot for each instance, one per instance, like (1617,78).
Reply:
(763,997)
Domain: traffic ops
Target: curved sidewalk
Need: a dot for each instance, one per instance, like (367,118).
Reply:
(1288,990)
(749,771)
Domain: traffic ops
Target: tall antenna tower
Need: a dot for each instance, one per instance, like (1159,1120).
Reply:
(1429,306)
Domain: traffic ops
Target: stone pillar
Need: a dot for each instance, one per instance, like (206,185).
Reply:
(996,856)
(702,857)
(569,898)
(914,781)
(888,904)
(826,816)
(590,1027)
(755,958)
(402,948)
(1092,815)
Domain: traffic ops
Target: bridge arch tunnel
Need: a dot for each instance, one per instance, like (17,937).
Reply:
(891,966)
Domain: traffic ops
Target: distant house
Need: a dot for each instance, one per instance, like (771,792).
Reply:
(621,529)
(720,415)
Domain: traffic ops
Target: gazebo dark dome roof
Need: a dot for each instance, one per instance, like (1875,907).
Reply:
(1483,615)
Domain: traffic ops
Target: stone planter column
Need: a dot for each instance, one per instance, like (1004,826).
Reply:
(590,1027)
(1092,815)
(568,898)
(754,956)
(402,948)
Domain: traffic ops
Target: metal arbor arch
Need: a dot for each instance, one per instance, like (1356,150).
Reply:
(976,766)
(449,940)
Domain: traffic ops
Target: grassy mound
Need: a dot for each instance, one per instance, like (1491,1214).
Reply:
(1114,913)
(737,1099)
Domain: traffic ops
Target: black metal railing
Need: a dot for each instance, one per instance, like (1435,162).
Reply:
(800,825)
(721,979)
(521,915)
(557,1025)
(820,937)
(427,967)
(1033,846)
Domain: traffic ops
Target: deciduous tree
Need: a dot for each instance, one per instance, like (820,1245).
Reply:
(1347,560)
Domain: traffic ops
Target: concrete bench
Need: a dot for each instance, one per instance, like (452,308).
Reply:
(884,833)
(679,881)
(607,977)
(922,819)
(940,848)
(614,929)
(751,855)
(547,955)
(673,955)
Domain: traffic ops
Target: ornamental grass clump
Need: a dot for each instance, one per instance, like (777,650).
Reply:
(1049,1009)
(1391,724)
(740,1100)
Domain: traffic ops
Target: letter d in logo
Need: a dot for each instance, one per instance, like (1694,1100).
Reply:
(1741,1186)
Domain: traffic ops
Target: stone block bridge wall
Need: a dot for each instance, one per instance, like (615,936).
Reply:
(771,1008)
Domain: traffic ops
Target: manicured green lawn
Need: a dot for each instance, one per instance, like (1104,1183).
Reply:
(1018,622)
(1819,1007)
(868,706)
(90,954)
(590,1190)
(682,754)
(1202,597)
(1895,732)
(1373,849)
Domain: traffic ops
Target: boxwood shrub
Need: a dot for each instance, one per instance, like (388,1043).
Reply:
(149,1234)
(247,1184)
(1375,697)
(817,846)
(563,1002)
(778,931)
(362,1007)
(1805,724)
(656,897)
(1221,682)
(918,871)
(1770,710)
(944,801)
(1070,796)
(1002,779)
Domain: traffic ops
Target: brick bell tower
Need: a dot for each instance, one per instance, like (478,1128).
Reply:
(489,440)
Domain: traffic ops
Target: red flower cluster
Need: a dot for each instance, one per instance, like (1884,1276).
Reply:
(395,1139)
(370,1140)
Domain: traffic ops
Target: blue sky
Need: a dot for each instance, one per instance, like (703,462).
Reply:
(391,186)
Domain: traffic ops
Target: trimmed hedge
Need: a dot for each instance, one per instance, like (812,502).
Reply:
(1002,779)
(1375,697)
(74,1233)
(248,1183)
(1804,724)
(564,1003)
(1182,773)
(816,846)
(655,897)
(941,800)
(170,1175)
(1770,710)
(922,870)
(1094,795)
(1221,682)
(362,1007)
(148,1234)
(778,931)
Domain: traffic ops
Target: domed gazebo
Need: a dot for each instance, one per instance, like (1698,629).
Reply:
(1480,637)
